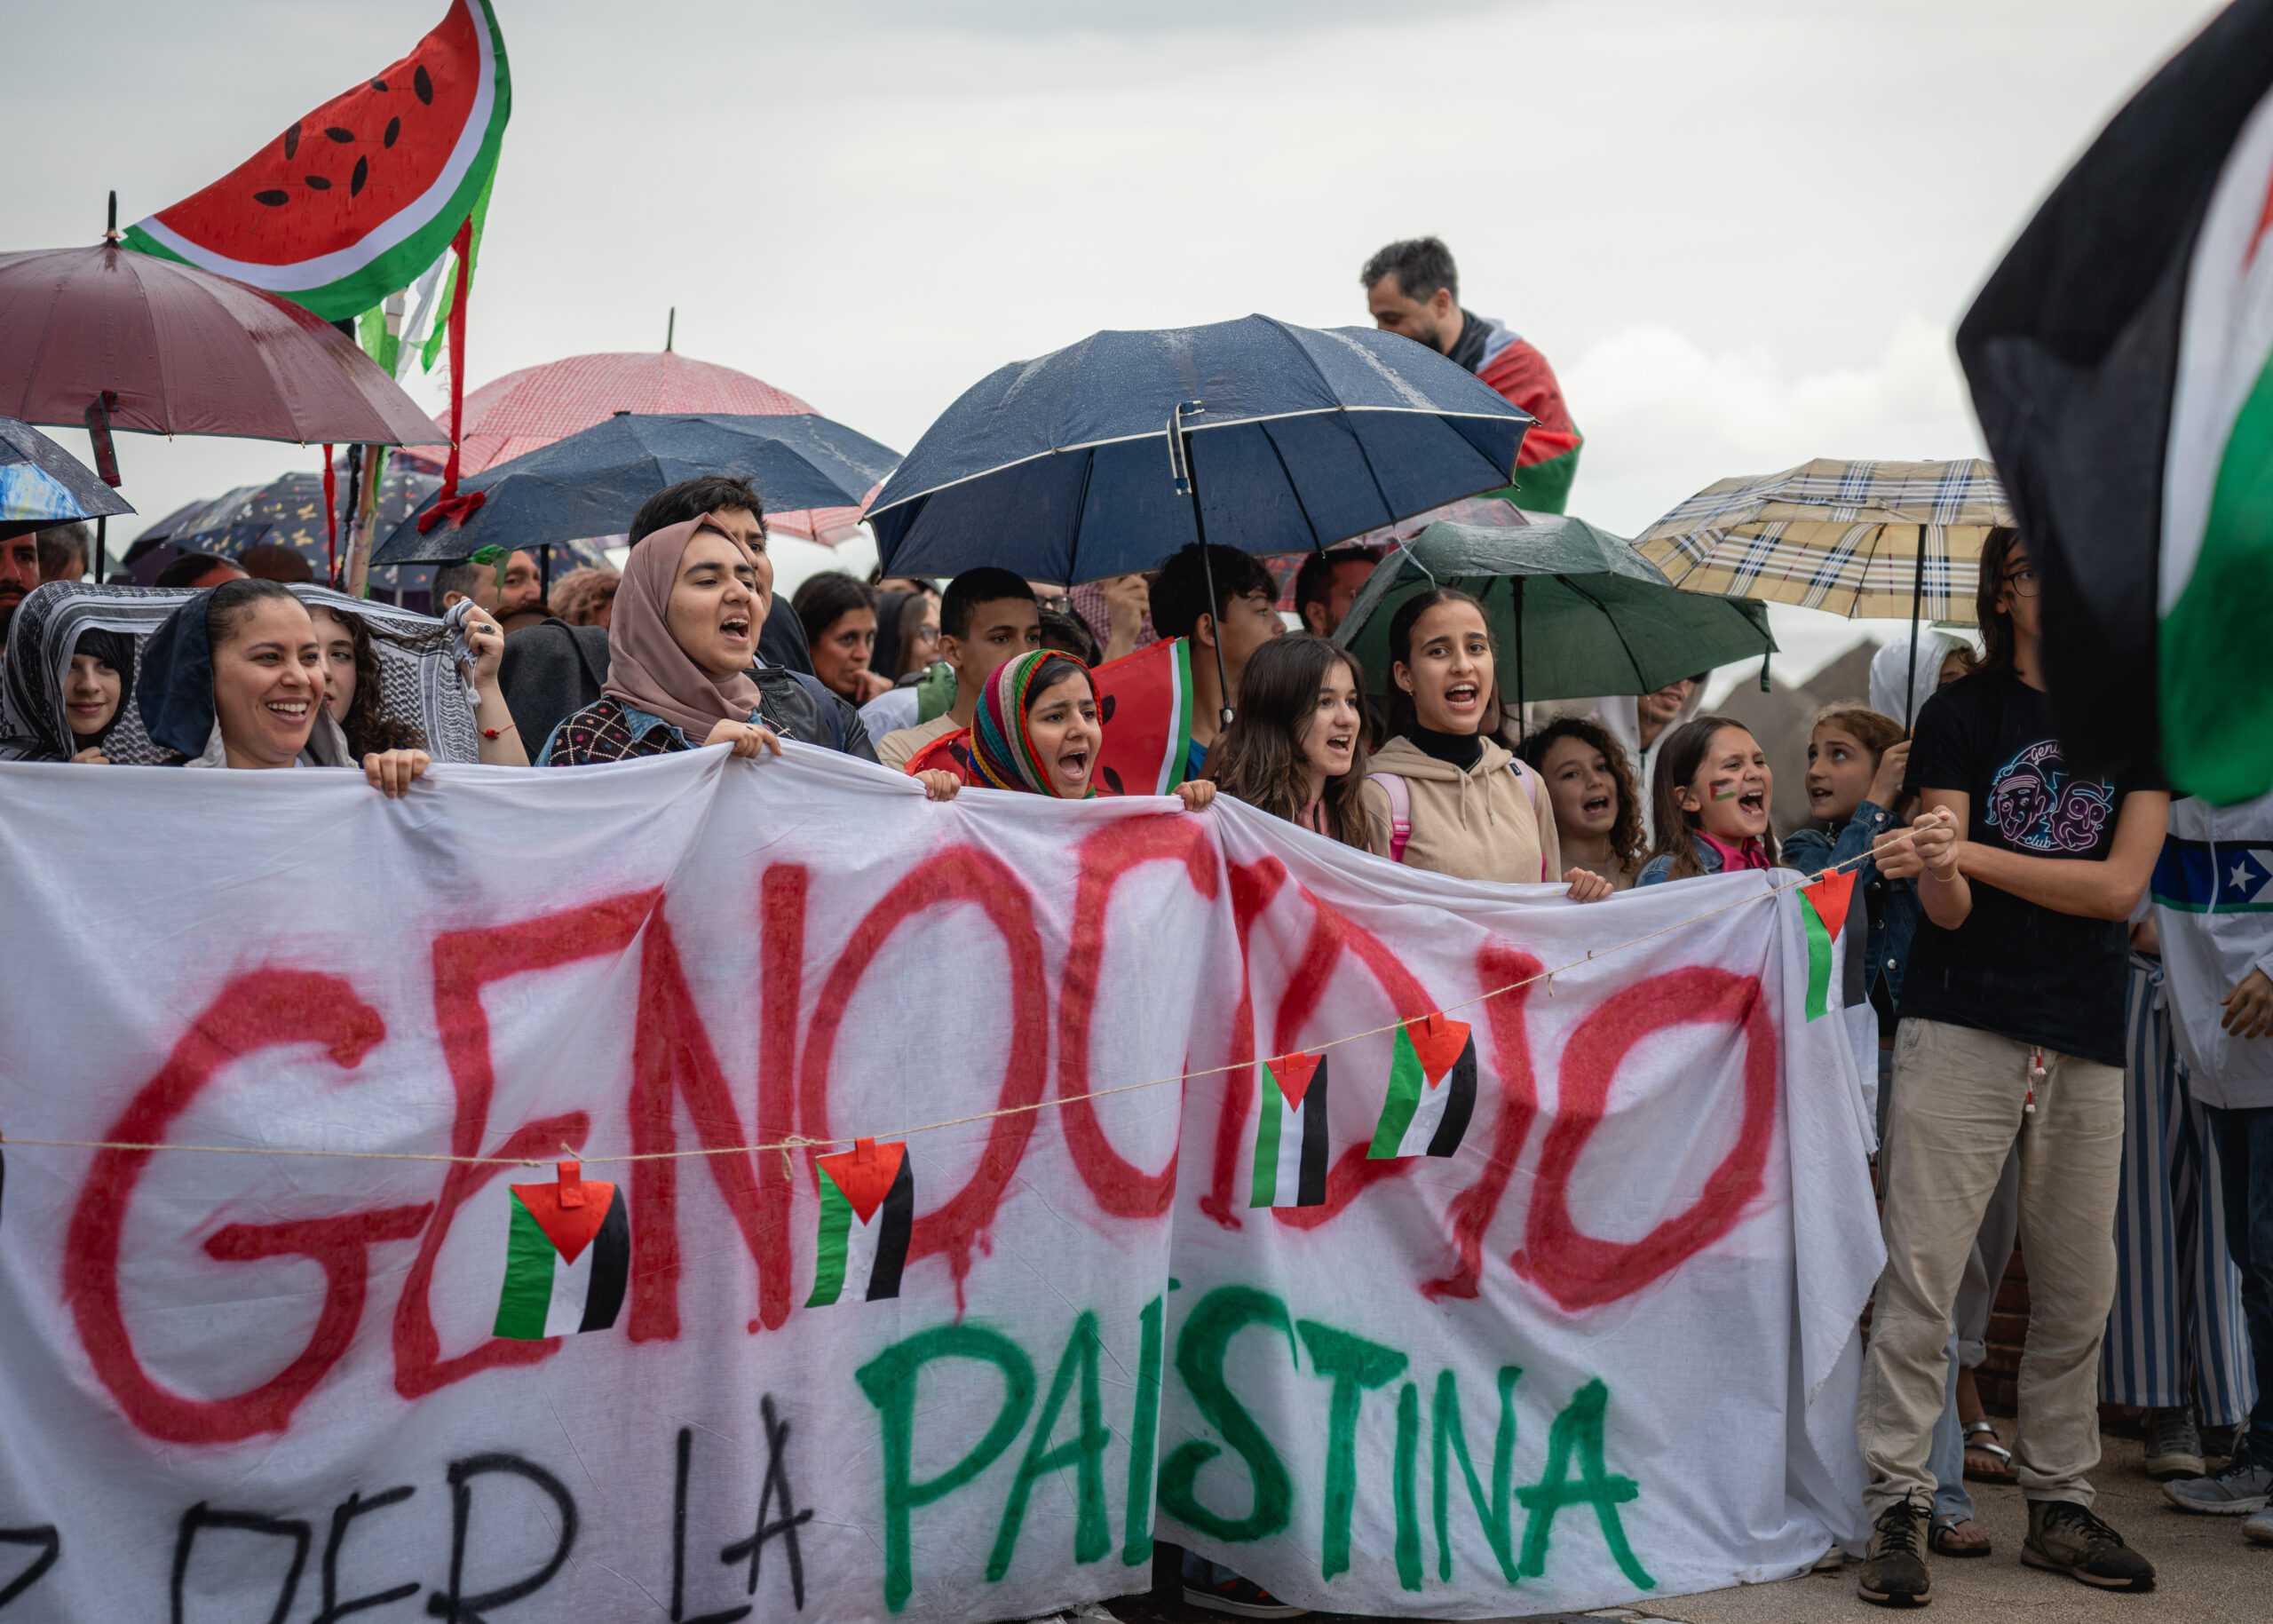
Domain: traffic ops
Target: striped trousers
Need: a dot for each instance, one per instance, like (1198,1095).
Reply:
(2175,1334)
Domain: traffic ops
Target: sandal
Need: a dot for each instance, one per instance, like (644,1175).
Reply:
(1942,1545)
(2003,1471)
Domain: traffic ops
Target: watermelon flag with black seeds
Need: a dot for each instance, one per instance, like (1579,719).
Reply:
(2121,363)
(355,200)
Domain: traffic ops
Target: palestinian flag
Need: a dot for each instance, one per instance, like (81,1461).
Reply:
(2119,365)
(1290,1144)
(1547,460)
(868,1208)
(567,1258)
(1431,1090)
(1830,906)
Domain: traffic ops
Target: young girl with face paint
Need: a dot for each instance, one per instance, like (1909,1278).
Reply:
(1712,792)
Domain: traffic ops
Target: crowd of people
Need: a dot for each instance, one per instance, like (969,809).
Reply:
(2060,1050)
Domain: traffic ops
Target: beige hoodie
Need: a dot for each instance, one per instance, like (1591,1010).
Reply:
(1477,825)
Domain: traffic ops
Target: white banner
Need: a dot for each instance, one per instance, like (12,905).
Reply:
(1604,1348)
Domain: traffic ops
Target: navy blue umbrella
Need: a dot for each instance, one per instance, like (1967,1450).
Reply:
(1110,455)
(592,482)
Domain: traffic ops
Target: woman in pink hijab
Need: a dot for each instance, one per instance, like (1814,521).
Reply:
(680,646)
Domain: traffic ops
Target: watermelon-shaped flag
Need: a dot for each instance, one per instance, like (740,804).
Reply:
(359,197)
(1825,905)
(1290,1144)
(868,1208)
(1145,707)
(567,1258)
(1431,1090)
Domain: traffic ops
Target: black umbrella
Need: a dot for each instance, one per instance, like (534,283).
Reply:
(592,483)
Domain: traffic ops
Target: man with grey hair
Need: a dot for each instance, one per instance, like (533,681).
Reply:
(1412,288)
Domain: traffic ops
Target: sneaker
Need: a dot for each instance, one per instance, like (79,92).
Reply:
(2222,1442)
(2173,1447)
(1893,1573)
(2067,1538)
(1241,1599)
(2259,1529)
(2240,1489)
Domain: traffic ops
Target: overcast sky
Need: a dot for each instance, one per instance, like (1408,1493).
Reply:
(1742,232)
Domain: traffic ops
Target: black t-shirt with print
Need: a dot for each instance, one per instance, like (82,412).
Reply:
(2014,967)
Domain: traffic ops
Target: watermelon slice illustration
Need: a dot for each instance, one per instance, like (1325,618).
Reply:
(1144,710)
(358,197)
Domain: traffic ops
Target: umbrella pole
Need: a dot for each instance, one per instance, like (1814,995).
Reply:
(1917,599)
(1216,614)
(1519,659)
(102,538)
(545,556)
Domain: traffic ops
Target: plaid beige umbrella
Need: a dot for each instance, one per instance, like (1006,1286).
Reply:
(1892,540)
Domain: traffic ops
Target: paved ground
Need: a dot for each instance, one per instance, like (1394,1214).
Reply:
(2203,1572)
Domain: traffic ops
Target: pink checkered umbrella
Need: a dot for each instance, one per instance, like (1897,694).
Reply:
(538,405)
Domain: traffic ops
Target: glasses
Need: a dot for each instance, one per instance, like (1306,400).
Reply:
(2023,580)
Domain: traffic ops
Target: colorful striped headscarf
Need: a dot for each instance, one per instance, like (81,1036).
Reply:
(1000,743)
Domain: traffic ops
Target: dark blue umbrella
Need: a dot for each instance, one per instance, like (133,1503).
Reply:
(42,484)
(1109,456)
(592,483)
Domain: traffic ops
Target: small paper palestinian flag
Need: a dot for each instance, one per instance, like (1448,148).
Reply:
(868,1206)
(1431,1090)
(1827,904)
(1290,1145)
(567,1258)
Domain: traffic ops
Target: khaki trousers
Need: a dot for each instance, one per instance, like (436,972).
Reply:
(1958,1111)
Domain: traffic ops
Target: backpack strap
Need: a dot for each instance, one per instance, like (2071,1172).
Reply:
(1400,811)
(1530,782)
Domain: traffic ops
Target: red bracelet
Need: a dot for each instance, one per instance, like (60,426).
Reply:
(498,733)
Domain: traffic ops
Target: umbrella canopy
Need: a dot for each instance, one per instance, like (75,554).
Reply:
(1574,610)
(593,482)
(1073,467)
(513,415)
(42,484)
(187,353)
(1887,539)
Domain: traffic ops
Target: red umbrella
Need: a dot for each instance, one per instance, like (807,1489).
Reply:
(186,352)
(538,405)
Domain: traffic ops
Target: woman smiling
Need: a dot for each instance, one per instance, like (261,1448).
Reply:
(235,678)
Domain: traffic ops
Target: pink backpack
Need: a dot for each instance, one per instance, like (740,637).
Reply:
(1401,809)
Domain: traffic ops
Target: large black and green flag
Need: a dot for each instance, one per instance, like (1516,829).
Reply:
(2119,359)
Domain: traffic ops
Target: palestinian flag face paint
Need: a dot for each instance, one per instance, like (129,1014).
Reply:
(1431,1090)
(1290,1144)
(567,1258)
(868,1208)
(1824,905)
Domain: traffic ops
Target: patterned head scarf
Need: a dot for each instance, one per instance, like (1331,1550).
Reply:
(1000,743)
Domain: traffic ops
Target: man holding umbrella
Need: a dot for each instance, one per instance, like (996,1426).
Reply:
(1412,288)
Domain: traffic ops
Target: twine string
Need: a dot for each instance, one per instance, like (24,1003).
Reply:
(799,1142)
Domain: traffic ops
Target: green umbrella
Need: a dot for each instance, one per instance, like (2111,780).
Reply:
(1574,611)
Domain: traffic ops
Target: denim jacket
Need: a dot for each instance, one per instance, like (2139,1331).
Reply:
(1657,870)
(1892,905)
